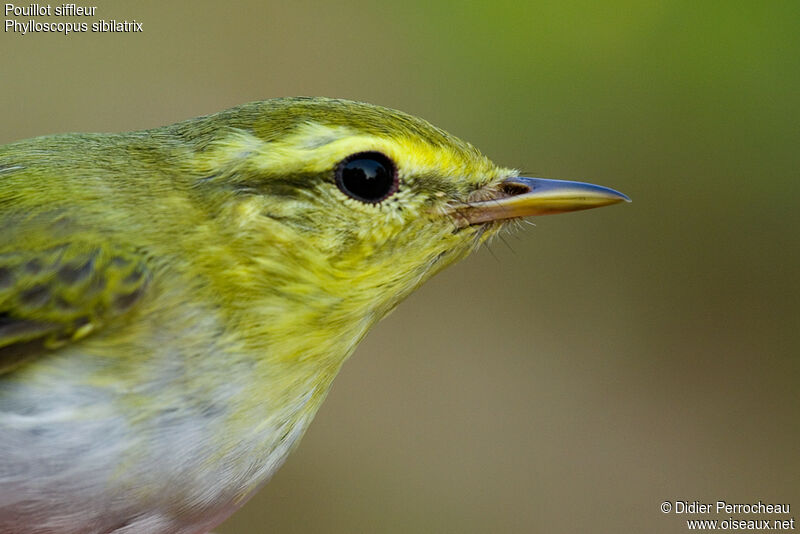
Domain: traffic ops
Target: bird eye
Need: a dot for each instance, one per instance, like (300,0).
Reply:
(367,176)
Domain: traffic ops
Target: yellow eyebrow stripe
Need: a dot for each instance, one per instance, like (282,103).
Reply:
(317,148)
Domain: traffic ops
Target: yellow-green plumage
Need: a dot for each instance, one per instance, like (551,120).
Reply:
(174,303)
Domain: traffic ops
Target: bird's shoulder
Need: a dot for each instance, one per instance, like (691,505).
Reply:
(59,283)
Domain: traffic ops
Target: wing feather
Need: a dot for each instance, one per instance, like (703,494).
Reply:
(54,296)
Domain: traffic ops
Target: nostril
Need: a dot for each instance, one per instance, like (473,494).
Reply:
(512,188)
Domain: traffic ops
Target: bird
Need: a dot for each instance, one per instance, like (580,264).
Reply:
(175,302)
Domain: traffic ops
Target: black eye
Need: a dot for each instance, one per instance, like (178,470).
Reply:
(367,176)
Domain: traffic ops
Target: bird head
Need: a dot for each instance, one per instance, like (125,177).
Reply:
(349,206)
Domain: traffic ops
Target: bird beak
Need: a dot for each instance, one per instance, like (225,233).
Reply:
(524,197)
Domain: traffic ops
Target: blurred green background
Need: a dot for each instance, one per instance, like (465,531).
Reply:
(576,374)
